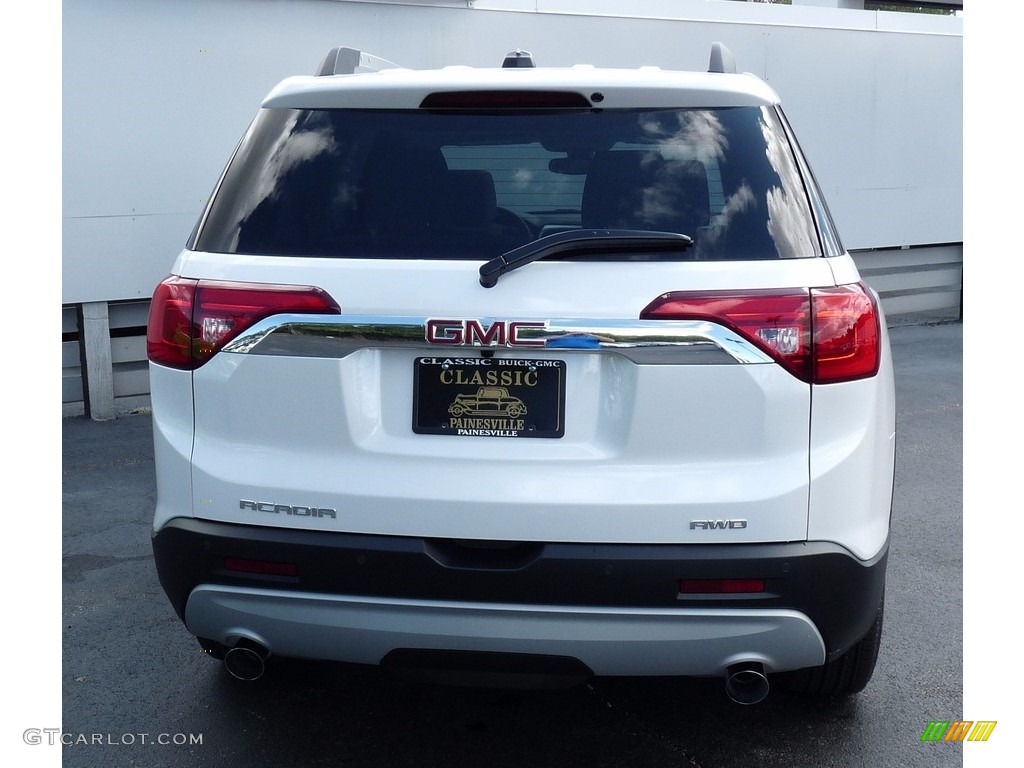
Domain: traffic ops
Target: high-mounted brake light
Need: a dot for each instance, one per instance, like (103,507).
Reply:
(500,100)
(821,336)
(191,320)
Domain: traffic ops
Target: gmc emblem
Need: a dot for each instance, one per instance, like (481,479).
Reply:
(474,333)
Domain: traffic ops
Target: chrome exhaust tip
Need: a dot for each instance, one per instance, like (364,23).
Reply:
(247,660)
(746,683)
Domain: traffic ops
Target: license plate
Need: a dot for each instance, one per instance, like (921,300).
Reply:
(488,397)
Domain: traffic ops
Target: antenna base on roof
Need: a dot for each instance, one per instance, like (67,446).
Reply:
(348,61)
(518,59)
(722,59)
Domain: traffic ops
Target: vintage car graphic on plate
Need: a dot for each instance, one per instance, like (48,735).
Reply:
(488,400)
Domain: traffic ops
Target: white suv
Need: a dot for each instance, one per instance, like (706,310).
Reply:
(544,371)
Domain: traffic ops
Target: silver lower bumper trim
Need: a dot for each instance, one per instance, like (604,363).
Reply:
(610,641)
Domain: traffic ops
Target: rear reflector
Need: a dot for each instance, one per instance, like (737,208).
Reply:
(266,567)
(191,320)
(720,586)
(821,336)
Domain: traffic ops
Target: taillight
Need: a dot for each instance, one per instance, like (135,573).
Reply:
(191,320)
(821,336)
(169,332)
(847,334)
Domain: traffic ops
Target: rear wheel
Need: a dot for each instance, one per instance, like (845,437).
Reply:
(843,676)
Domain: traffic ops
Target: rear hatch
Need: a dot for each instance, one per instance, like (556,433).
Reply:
(616,390)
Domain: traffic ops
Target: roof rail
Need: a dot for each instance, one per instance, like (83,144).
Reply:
(348,61)
(722,59)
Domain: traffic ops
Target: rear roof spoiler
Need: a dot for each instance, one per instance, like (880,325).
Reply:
(348,61)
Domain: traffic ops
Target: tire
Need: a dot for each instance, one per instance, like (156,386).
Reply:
(844,676)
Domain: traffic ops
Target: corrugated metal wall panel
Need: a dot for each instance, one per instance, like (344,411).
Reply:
(127,341)
(915,282)
(71,370)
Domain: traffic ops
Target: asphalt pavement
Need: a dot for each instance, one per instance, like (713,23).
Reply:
(138,691)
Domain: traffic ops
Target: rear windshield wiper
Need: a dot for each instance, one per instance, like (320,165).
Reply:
(582,242)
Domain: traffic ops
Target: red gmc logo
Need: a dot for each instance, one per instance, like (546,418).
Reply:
(473,333)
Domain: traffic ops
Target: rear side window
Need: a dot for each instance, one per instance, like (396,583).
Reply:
(453,185)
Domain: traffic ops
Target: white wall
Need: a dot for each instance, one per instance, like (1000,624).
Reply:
(157,92)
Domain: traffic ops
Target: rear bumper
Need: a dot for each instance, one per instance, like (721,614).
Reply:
(616,608)
(609,641)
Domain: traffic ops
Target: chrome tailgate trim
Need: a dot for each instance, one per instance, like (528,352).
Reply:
(646,342)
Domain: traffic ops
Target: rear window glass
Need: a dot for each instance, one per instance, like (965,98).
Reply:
(430,185)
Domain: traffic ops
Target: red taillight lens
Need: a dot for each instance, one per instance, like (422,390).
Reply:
(847,334)
(191,320)
(778,322)
(169,332)
(821,336)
